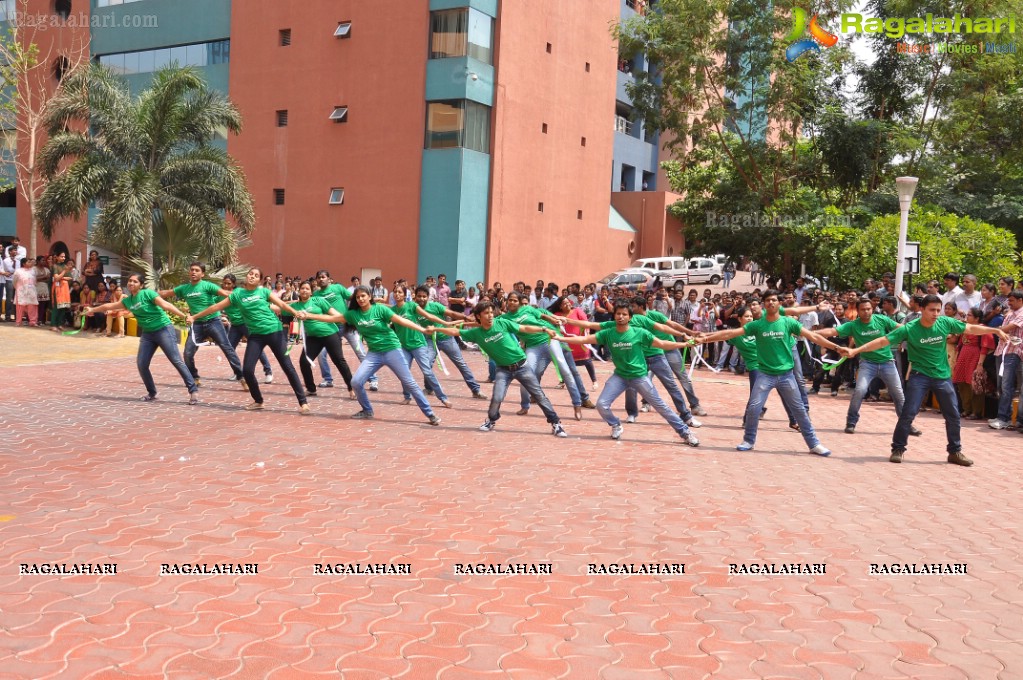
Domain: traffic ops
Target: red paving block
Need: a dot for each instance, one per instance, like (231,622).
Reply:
(397,491)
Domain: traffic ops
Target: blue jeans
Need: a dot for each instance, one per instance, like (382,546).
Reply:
(888,373)
(394,360)
(797,373)
(423,358)
(674,358)
(1010,367)
(235,334)
(449,346)
(352,337)
(916,387)
(789,393)
(165,339)
(728,279)
(212,329)
(538,358)
(529,382)
(660,367)
(565,360)
(614,387)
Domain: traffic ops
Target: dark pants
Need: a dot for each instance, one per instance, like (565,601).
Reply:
(165,339)
(312,348)
(235,335)
(524,374)
(9,304)
(916,387)
(277,343)
(212,329)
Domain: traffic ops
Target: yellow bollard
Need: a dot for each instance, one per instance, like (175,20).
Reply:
(131,326)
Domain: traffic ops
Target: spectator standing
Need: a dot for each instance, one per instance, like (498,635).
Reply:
(8,264)
(26,294)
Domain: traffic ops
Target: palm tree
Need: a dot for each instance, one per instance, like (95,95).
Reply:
(150,163)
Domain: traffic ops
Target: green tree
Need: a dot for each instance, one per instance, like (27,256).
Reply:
(149,161)
(947,243)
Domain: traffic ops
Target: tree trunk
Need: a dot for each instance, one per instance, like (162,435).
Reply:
(147,247)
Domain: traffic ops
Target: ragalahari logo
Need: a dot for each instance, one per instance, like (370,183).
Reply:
(818,36)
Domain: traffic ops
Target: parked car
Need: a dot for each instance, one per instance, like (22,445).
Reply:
(630,279)
(703,270)
(674,271)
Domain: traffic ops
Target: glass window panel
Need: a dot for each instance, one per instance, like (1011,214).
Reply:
(444,121)
(131,63)
(481,36)
(195,55)
(147,61)
(179,55)
(477,127)
(448,33)
(161,59)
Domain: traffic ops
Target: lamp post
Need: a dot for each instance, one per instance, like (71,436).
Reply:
(906,186)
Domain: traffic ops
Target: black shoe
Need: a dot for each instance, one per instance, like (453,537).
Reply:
(915,432)
(850,429)
(896,456)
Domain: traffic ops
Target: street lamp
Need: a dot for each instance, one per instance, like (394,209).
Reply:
(906,186)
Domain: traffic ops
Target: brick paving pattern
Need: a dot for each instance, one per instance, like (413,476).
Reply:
(90,475)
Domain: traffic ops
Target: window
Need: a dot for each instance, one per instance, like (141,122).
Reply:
(282,118)
(344,30)
(583,142)
(278,196)
(146,61)
(549,48)
(62,8)
(578,214)
(539,207)
(462,32)
(61,65)
(337,196)
(458,123)
(543,128)
(9,198)
(340,114)
(8,10)
(587,67)
(285,37)
(8,144)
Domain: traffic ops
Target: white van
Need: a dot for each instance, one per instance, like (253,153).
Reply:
(674,271)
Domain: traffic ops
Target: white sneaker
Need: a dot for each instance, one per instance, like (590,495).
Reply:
(616,432)
(630,419)
(996,424)
(596,386)
(820,450)
(487,426)
(691,439)
(268,378)
(558,431)
(693,422)
(645,408)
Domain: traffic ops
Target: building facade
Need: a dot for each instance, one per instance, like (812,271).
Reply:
(467,137)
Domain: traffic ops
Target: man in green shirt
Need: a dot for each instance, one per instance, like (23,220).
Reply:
(499,338)
(629,345)
(925,340)
(200,294)
(446,344)
(775,335)
(866,327)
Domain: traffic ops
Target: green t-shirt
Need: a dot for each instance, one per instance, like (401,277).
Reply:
(529,316)
(627,350)
(926,346)
(199,296)
(747,348)
(374,327)
(255,308)
(234,315)
(336,294)
(500,341)
(435,308)
(775,341)
(409,338)
(644,322)
(316,329)
(863,333)
(143,305)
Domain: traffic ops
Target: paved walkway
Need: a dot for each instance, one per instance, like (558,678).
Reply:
(90,475)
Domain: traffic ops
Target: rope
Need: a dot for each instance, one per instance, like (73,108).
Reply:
(81,327)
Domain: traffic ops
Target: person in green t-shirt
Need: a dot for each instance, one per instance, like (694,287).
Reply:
(373,322)
(446,344)
(150,312)
(925,339)
(879,364)
(265,331)
(540,352)
(319,337)
(629,346)
(200,294)
(775,334)
(238,330)
(499,338)
(338,297)
(414,345)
